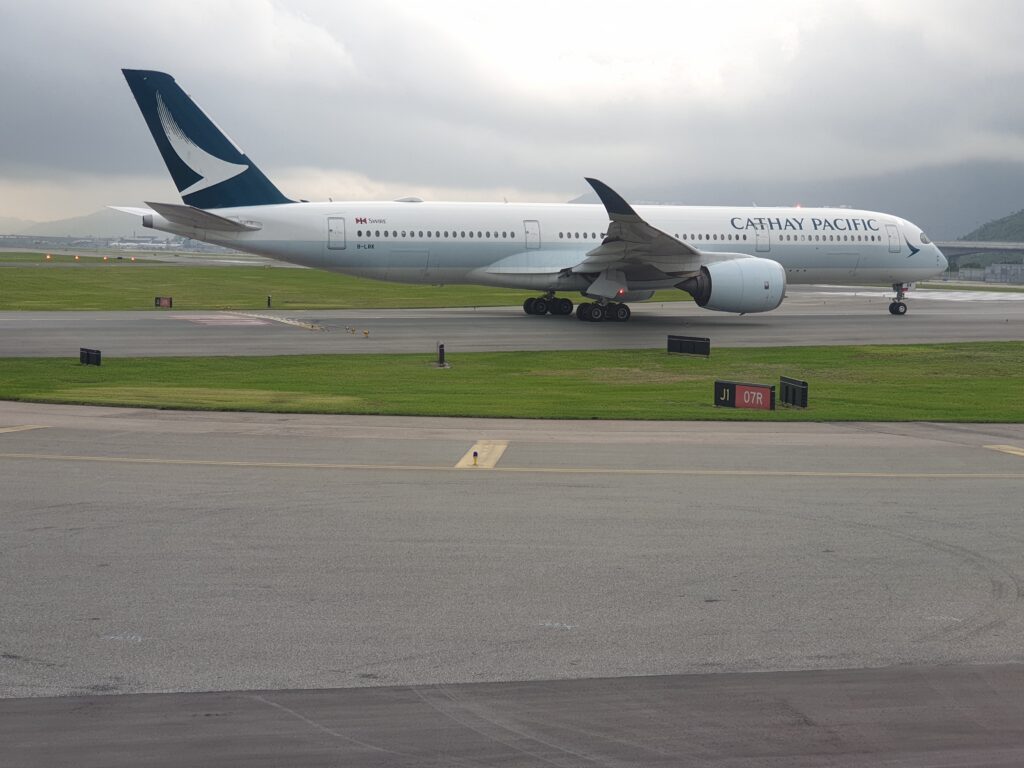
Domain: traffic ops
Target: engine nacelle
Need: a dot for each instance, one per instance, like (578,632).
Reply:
(748,284)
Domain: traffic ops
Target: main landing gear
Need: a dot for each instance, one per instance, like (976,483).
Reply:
(595,313)
(898,306)
(543,305)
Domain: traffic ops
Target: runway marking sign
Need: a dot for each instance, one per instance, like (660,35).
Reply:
(735,394)
(22,428)
(484,454)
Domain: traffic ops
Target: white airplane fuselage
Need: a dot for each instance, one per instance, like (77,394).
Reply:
(533,246)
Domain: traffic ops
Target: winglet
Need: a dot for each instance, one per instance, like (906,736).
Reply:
(616,206)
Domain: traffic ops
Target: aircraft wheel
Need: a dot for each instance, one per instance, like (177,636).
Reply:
(583,311)
(596,313)
(899,308)
(528,306)
(540,306)
(564,306)
(621,313)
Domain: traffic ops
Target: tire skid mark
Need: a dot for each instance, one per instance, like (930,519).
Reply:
(1005,588)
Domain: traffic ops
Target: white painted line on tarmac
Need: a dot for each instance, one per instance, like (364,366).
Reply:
(22,428)
(1011,449)
(282,320)
(485,454)
(222,319)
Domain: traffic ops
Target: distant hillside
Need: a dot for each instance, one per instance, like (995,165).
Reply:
(1009,229)
(12,226)
(945,201)
(104,223)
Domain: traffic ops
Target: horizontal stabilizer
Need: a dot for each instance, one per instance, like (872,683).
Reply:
(131,209)
(197,218)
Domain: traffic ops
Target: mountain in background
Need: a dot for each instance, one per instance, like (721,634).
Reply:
(104,223)
(946,201)
(12,226)
(1009,229)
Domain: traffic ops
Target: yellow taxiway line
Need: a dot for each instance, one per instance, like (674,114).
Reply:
(618,471)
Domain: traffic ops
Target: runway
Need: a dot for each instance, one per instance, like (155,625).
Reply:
(317,590)
(810,316)
(606,593)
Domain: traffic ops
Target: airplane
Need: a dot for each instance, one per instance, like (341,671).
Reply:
(728,259)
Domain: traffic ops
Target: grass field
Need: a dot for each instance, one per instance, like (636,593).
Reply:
(948,382)
(120,286)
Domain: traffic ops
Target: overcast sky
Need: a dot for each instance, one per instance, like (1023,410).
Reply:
(473,100)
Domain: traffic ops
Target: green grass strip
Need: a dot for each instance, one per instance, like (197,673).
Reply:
(121,285)
(978,382)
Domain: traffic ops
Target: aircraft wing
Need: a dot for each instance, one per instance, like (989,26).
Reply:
(634,247)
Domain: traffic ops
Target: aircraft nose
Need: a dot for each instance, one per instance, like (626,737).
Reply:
(940,260)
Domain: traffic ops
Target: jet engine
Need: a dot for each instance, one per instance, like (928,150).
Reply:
(744,284)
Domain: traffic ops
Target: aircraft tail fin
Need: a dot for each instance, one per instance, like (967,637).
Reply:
(209,170)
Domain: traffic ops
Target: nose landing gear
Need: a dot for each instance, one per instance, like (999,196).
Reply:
(898,306)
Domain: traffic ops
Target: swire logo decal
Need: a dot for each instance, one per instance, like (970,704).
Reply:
(212,169)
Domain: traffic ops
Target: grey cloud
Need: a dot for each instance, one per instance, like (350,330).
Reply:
(379,95)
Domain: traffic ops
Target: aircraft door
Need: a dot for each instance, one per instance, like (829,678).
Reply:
(894,238)
(764,241)
(532,229)
(336,233)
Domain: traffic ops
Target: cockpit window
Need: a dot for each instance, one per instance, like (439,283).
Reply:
(924,239)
